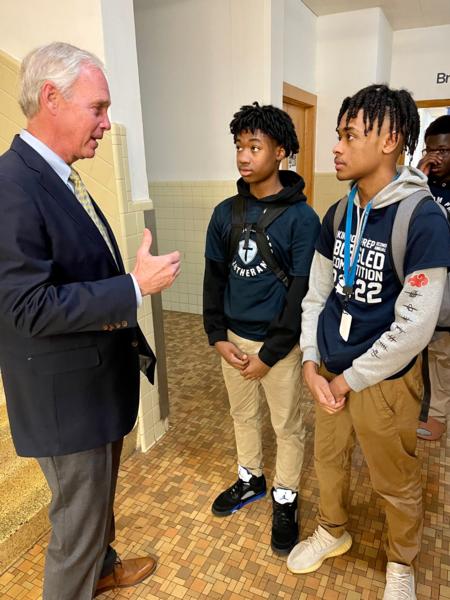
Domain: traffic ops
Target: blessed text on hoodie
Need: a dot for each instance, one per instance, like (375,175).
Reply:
(390,323)
(246,296)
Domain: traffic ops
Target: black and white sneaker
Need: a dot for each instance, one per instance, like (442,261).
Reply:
(285,520)
(247,488)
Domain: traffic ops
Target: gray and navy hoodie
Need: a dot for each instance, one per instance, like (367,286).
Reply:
(391,322)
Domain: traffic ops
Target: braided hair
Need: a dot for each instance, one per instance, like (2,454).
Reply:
(268,119)
(378,101)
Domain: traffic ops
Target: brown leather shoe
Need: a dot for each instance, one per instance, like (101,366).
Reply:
(126,573)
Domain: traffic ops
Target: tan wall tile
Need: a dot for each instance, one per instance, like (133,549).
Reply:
(327,190)
(183,210)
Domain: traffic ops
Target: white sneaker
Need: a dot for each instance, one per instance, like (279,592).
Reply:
(399,582)
(310,554)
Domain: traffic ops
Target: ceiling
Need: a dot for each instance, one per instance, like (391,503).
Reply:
(401,14)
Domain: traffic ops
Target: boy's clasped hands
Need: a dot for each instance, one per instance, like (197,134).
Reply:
(250,365)
(329,395)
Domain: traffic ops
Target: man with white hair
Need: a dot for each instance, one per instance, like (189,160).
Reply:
(70,345)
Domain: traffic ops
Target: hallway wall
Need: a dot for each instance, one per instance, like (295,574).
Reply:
(11,117)
(417,56)
(25,25)
(183,210)
(199,61)
(353,50)
(300,46)
(349,57)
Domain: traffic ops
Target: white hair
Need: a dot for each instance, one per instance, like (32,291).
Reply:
(59,63)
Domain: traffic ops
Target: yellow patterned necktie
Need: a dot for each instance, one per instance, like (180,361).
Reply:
(84,199)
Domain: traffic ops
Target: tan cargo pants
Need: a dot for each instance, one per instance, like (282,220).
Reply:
(282,389)
(384,418)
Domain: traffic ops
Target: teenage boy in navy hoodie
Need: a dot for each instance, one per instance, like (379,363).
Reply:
(362,331)
(252,310)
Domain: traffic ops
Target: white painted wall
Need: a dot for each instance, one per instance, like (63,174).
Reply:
(122,68)
(185,63)
(300,45)
(349,57)
(275,71)
(25,25)
(249,42)
(418,55)
(199,61)
(384,57)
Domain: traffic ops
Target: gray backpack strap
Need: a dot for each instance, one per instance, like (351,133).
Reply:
(443,323)
(339,214)
(399,235)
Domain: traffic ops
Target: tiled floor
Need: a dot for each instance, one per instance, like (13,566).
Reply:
(164,497)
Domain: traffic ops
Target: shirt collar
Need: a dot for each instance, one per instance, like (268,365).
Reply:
(61,168)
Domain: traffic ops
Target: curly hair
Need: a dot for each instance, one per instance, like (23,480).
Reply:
(268,119)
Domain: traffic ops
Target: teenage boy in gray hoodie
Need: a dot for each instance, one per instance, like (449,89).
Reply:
(362,331)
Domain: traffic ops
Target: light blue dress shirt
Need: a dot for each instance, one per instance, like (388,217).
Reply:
(62,169)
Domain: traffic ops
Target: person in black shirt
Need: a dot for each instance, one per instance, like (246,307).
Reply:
(253,289)
(436,165)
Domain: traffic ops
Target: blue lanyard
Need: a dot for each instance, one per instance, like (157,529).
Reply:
(350,269)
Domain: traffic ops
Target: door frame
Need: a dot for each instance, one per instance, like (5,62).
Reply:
(432,103)
(425,104)
(296,96)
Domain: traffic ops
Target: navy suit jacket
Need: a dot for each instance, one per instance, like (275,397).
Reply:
(69,339)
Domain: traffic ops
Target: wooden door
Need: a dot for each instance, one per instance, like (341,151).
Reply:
(301,107)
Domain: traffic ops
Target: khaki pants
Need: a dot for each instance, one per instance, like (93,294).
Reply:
(282,389)
(439,368)
(384,418)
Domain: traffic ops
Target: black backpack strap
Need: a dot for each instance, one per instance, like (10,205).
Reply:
(268,216)
(426,398)
(238,210)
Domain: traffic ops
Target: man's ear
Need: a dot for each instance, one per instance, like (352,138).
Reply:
(50,97)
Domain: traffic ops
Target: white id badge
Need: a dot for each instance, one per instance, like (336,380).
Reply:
(346,323)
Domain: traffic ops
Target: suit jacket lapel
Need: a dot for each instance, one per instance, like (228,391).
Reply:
(54,185)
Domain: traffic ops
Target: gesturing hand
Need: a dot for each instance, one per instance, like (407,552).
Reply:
(154,273)
(231,353)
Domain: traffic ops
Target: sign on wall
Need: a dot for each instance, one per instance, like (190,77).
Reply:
(442,77)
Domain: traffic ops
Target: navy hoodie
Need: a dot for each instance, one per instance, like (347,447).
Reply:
(246,296)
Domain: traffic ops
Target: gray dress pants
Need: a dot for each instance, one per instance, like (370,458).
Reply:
(83,486)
